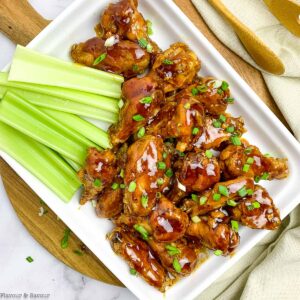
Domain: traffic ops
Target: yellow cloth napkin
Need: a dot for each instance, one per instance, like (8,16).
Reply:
(271,270)
(285,89)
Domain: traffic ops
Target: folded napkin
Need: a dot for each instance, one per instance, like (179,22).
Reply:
(285,89)
(271,270)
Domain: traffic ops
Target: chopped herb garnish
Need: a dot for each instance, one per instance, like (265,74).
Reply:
(160,181)
(216,197)
(138,118)
(250,192)
(223,190)
(208,154)
(194,197)
(235,140)
(219,91)
(149,27)
(246,167)
(146,100)
(256,204)
(168,62)
(196,219)
(141,132)
(132,186)
(248,150)
(64,243)
(135,68)
(224,86)
(235,225)
(122,186)
(187,106)
(172,250)
(218,252)
(176,265)
(142,231)
(202,88)
(242,192)
(144,201)
(169,173)
(257,179)
(158,195)
(122,173)
(230,100)
(161,165)
(203,200)
(222,118)
(99,59)
(29,259)
(217,124)
(143,43)
(250,160)
(133,271)
(195,91)
(149,48)
(165,155)
(78,252)
(265,176)
(230,129)
(115,186)
(267,155)
(181,154)
(97,182)
(231,202)
(195,130)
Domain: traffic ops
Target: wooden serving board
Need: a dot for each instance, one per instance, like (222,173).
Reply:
(21,24)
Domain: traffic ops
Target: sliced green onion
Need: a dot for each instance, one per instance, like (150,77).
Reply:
(160,181)
(169,173)
(196,219)
(99,59)
(235,225)
(222,118)
(176,265)
(250,192)
(219,91)
(246,167)
(97,182)
(122,186)
(132,186)
(256,204)
(217,124)
(158,195)
(149,48)
(122,173)
(146,100)
(142,231)
(194,197)
(250,160)
(235,140)
(195,130)
(141,132)
(216,197)
(144,201)
(165,155)
(149,27)
(78,252)
(161,165)
(202,200)
(218,252)
(242,192)
(138,118)
(267,155)
(208,154)
(132,271)
(65,240)
(229,100)
(135,68)
(143,43)
(195,91)
(168,62)
(257,179)
(231,202)
(172,250)
(202,88)
(265,176)
(29,259)
(230,129)
(223,190)
(224,86)
(187,106)
(115,186)
(248,150)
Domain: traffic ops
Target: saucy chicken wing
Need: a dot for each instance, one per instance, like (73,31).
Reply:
(99,171)
(142,99)
(257,211)
(146,174)
(122,57)
(249,161)
(168,222)
(214,232)
(194,172)
(176,67)
(138,255)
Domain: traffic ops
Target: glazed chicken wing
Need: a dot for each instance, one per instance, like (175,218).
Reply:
(142,100)
(122,57)
(249,161)
(176,67)
(138,255)
(168,222)
(220,195)
(194,172)
(257,211)
(98,173)
(146,174)
(219,130)
(214,232)
(171,253)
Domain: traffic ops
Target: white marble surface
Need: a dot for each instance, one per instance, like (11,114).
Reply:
(46,275)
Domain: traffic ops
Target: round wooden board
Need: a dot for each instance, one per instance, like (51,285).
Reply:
(48,230)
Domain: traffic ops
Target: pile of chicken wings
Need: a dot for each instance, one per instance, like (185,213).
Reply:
(179,177)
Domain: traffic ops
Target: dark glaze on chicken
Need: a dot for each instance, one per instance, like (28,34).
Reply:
(180,176)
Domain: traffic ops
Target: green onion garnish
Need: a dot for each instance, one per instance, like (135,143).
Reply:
(78,252)
(219,91)
(64,243)
(224,86)
(143,43)
(144,201)
(250,160)
(97,182)
(216,197)
(208,154)
(249,192)
(122,173)
(265,176)
(230,129)
(267,155)
(158,195)
(122,186)
(256,204)
(172,250)
(231,202)
(195,91)
(202,88)
(202,200)
(165,155)
(142,231)
(222,118)
(135,68)
(194,197)
(149,27)
(187,105)
(229,100)
(196,219)
(132,186)
(99,59)
(217,124)
(141,132)
(160,181)
(146,100)
(29,259)
(248,150)
(133,271)
(161,165)
(246,168)
(235,140)
(176,265)
(168,62)
(138,118)
(242,192)
(169,173)
(195,130)
(115,186)
(257,179)
(235,225)
(149,48)
(223,190)
(218,252)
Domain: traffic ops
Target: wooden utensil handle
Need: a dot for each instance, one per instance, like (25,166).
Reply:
(19,21)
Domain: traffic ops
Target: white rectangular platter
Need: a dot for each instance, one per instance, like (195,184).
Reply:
(170,25)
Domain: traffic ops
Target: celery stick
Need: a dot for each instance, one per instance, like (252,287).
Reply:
(68,106)
(28,119)
(33,67)
(72,164)
(2,92)
(103,102)
(41,161)
(85,128)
